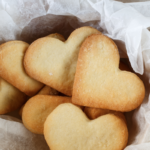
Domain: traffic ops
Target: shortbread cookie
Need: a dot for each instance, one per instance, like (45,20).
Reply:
(99,83)
(12,70)
(38,108)
(10,97)
(53,62)
(68,128)
(57,36)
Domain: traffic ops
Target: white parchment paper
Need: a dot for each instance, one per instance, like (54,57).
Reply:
(126,23)
(14,136)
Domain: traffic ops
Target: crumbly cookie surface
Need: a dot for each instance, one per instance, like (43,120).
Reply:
(100,83)
(67,128)
(53,62)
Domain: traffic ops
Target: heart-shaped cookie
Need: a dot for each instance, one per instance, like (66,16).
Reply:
(53,62)
(38,108)
(10,97)
(68,128)
(100,83)
(12,70)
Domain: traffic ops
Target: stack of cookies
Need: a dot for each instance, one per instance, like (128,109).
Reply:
(78,89)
